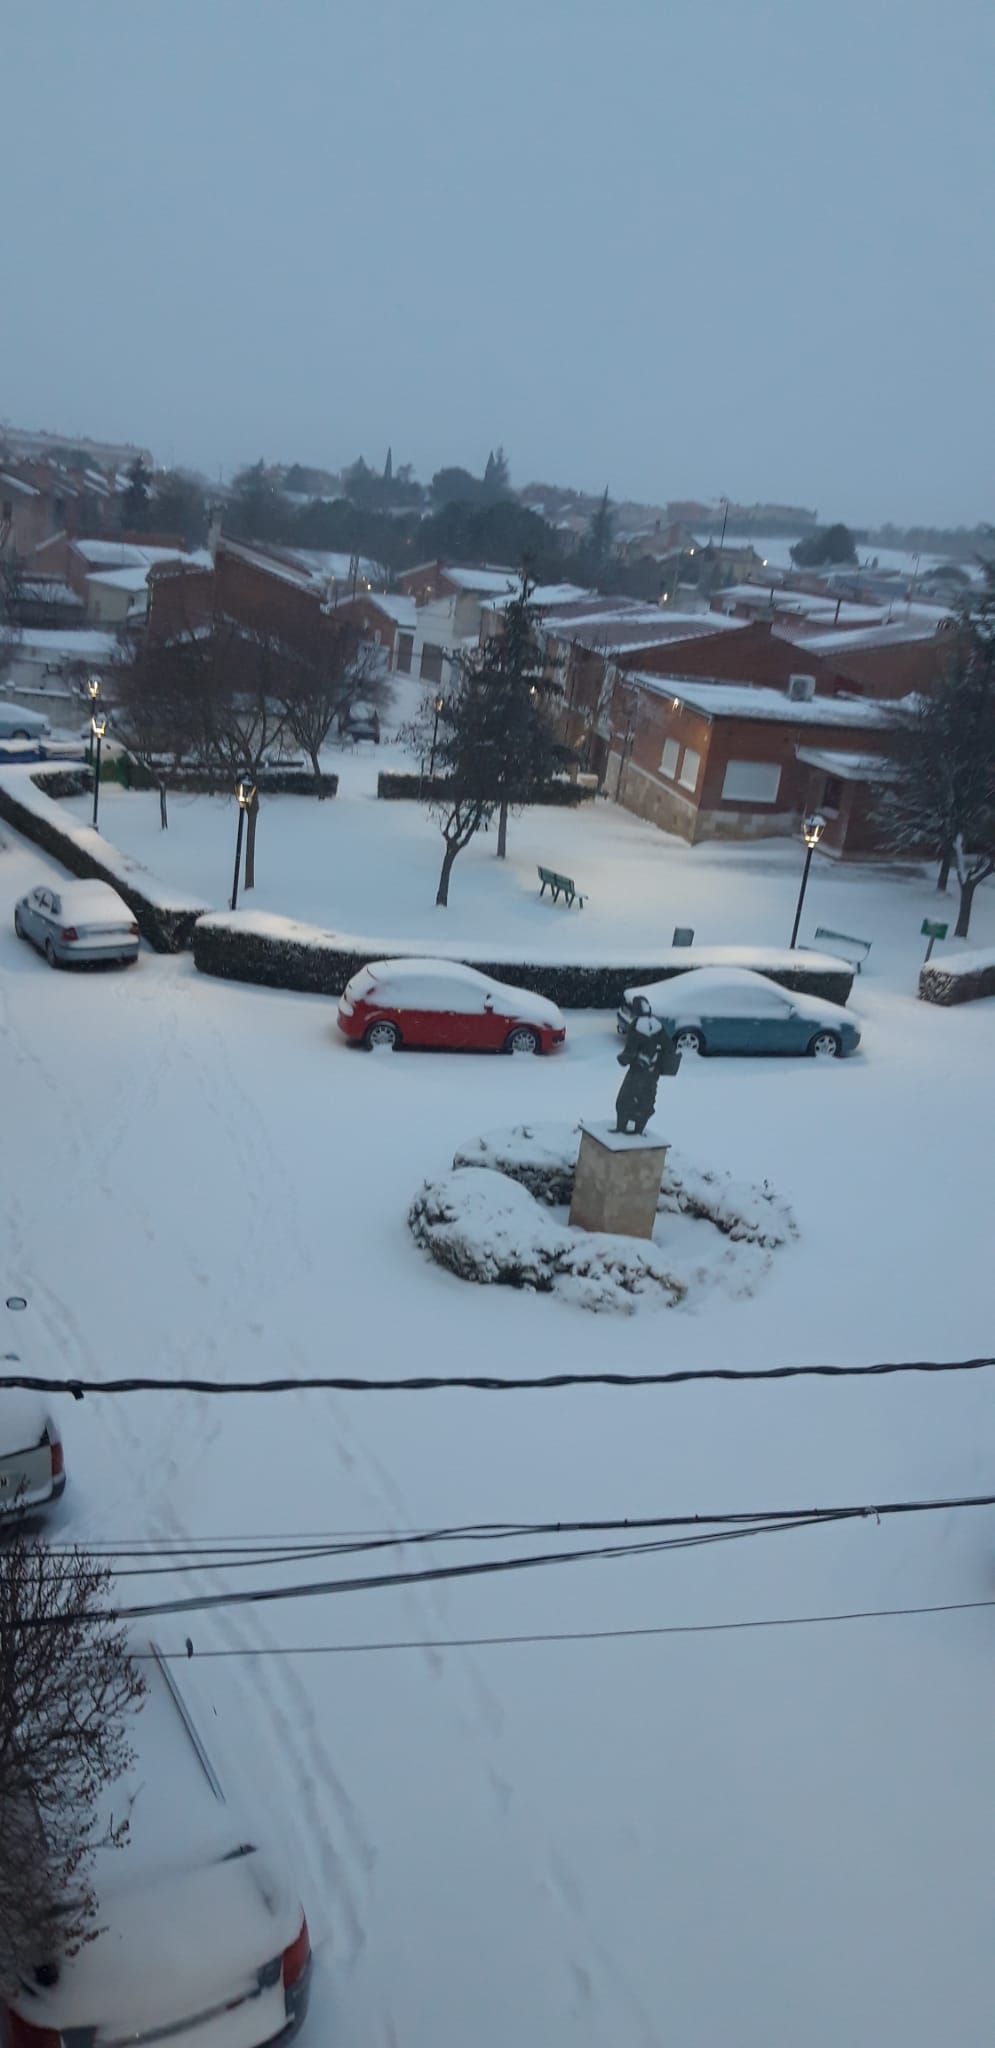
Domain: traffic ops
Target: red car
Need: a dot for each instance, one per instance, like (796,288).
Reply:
(441,1003)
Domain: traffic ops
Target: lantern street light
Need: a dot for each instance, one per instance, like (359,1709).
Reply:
(438,707)
(812,831)
(245,791)
(93,692)
(98,727)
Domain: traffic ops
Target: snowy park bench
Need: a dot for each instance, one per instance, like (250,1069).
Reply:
(561,885)
(855,950)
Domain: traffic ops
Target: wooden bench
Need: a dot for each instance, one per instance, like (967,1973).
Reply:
(854,950)
(560,885)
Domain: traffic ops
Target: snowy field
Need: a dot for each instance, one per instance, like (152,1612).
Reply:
(358,865)
(766,1838)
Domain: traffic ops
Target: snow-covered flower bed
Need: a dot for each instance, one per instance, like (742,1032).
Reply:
(543,1158)
(492,1220)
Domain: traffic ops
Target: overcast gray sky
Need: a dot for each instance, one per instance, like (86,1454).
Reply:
(681,247)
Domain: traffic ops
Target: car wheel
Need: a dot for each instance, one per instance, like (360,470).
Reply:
(20,735)
(825,1046)
(688,1041)
(620,1027)
(51,954)
(18,926)
(522,1040)
(383,1035)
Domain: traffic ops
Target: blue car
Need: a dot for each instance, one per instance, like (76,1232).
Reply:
(714,1010)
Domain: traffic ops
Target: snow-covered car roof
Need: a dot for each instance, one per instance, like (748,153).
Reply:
(685,994)
(87,900)
(523,1003)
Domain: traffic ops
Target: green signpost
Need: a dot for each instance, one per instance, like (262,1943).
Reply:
(932,932)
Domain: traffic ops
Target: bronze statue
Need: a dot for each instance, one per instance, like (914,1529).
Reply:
(647,1053)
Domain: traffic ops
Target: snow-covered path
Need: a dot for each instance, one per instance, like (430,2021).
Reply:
(760,1838)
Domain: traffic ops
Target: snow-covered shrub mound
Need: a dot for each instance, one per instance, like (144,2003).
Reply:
(958,977)
(488,1228)
(543,1158)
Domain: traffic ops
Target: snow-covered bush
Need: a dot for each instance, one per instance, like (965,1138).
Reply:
(486,1227)
(958,977)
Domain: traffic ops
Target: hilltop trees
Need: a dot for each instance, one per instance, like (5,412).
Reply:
(827,546)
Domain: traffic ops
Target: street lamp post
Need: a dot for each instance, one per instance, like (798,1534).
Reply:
(93,692)
(245,791)
(438,707)
(98,727)
(812,831)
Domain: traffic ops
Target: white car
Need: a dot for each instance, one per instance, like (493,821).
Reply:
(16,724)
(32,1462)
(202,1939)
(733,1010)
(76,921)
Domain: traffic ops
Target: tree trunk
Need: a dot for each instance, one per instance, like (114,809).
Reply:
(163,816)
(442,894)
(502,845)
(249,881)
(316,765)
(943,877)
(967,890)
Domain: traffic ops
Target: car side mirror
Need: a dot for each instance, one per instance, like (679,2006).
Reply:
(488,1002)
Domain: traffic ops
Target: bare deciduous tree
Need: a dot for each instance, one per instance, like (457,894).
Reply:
(67,1691)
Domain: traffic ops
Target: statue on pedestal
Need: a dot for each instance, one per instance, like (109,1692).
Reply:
(647,1053)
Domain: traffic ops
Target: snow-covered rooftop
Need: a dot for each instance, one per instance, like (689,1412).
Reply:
(848,767)
(61,645)
(893,632)
(746,700)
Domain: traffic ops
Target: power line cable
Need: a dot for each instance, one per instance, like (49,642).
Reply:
(585,1635)
(199,1552)
(481,1383)
(375,1582)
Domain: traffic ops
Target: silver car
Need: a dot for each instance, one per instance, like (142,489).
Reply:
(77,921)
(32,1466)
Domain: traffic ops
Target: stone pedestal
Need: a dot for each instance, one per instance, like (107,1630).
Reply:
(617,1182)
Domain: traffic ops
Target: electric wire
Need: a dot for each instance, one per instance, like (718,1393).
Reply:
(482,1383)
(583,1635)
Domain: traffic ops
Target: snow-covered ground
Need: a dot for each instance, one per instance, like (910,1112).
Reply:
(359,865)
(760,1838)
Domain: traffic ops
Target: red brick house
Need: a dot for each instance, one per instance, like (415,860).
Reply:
(712,760)
(275,595)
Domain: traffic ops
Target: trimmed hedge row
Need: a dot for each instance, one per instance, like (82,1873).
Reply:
(943,981)
(211,782)
(318,964)
(167,927)
(397,786)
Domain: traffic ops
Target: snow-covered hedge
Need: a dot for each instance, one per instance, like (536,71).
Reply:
(277,952)
(958,977)
(210,782)
(396,785)
(26,801)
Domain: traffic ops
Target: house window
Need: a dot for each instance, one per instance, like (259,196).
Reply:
(668,759)
(751,782)
(431,664)
(832,793)
(688,777)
